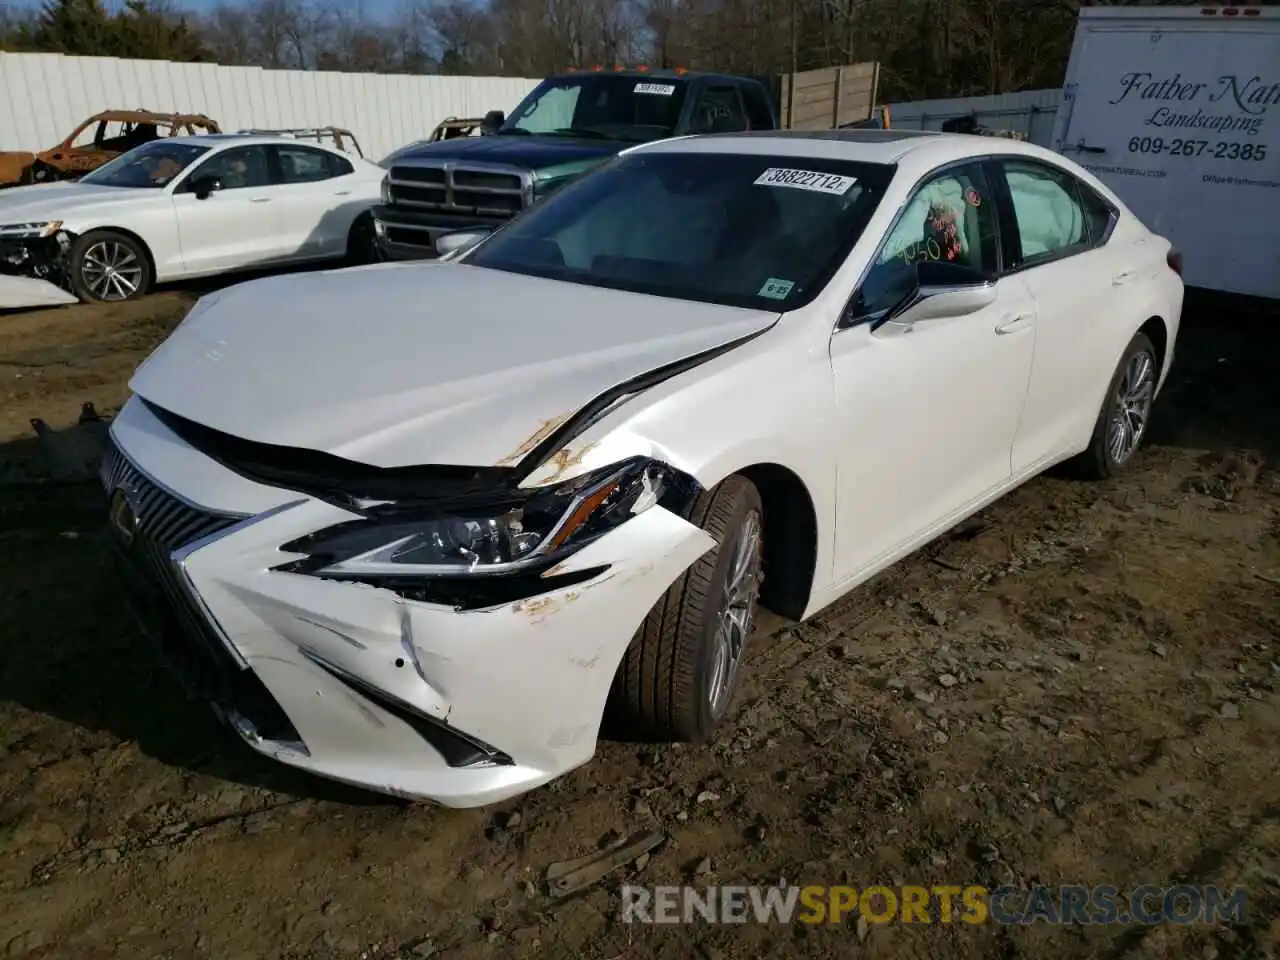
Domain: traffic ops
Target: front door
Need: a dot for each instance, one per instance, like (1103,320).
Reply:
(238,225)
(927,419)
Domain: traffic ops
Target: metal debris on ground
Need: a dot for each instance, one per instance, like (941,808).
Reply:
(570,876)
(73,453)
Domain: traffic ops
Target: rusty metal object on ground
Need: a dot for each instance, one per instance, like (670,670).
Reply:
(570,876)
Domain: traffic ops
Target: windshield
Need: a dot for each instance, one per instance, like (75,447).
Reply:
(604,106)
(734,229)
(150,165)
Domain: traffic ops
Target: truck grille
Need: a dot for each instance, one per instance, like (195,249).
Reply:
(167,606)
(482,191)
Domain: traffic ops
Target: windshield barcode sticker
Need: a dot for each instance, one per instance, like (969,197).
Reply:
(806,180)
(659,89)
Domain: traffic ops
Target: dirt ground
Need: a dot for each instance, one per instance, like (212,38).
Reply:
(1080,686)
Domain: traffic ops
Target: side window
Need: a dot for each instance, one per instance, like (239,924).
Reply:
(950,217)
(719,110)
(338,166)
(303,165)
(757,107)
(1047,210)
(237,168)
(1098,214)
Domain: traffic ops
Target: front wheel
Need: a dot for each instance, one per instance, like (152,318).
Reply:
(678,676)
(109,267)
(1122,423)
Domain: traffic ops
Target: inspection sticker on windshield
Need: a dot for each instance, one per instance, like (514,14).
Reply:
(776,289)
(660,89)
(806,180)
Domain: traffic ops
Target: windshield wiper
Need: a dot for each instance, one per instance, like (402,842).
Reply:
(505,130)
(583,132)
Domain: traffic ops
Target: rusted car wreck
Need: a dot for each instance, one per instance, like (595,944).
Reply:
(102,137)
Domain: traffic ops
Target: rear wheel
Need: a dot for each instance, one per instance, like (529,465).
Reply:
(1122,423)
(362,242)
(678,676)
(109,267)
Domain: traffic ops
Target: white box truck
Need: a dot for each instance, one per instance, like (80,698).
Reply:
(1177,109)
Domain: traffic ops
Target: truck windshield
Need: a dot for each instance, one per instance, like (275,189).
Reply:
(601,105)
(150,165)
(742,230)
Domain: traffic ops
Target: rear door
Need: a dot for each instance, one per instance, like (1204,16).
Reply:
(1058,237)
(317,201)
(1175,113)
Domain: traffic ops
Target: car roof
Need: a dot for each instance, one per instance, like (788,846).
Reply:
(660,73)
(925,147)
(226,139)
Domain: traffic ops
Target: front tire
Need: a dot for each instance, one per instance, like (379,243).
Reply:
(109,267)
(1122,422)
(677,678)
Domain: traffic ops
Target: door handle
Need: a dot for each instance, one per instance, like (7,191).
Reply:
(1120,279)
(342,193)
(1013,324)
(260,200)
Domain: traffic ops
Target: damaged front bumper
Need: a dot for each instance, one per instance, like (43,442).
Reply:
(33,272)
(356,682)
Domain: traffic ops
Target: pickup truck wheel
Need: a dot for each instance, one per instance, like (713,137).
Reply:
(678,676)
(108,267)
(1122,423)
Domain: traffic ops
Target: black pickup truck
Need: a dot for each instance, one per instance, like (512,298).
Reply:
(569,124)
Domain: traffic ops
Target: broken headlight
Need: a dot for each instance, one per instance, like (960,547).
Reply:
(36,230)
(510,533)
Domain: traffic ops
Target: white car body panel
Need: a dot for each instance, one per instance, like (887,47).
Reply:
(233,229)
(24,292)
(894,435)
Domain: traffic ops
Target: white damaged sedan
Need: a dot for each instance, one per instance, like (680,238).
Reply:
(424,527)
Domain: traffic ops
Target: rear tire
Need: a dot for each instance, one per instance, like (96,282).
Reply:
(1126,412)
(362,242)
(676,680)
(108,267)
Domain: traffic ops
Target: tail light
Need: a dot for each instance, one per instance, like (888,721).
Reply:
(1174,259)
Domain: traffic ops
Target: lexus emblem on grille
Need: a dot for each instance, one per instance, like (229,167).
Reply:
(124,520)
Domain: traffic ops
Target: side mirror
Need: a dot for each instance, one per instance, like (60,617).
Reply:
(204,187)
(492,122)
(456,242)
(944,290)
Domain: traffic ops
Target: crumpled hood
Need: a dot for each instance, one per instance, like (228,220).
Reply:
(418,363)
(58,200)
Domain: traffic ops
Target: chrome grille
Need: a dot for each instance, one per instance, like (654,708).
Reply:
(170,608)
(165,521)
(165,524)
(482,190)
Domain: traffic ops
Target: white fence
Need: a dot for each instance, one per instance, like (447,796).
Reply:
(1031,112)
(44,96)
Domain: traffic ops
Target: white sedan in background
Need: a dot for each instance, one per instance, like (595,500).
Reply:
(422,527)
(185,207)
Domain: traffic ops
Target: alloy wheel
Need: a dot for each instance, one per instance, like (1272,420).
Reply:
(111,271)
(1132,408)
(736,613)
